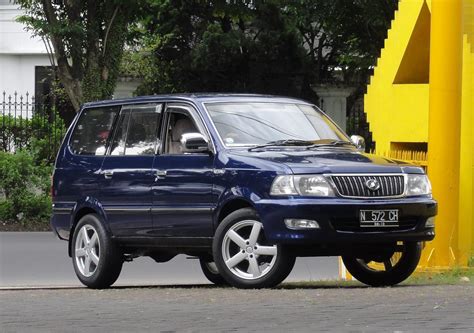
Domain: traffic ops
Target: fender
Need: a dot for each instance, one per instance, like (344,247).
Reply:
(237,193)
(90,204)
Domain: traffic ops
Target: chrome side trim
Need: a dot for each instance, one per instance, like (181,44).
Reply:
(62,210)
(156,210)
(118,210)
(165,210)
(66,207)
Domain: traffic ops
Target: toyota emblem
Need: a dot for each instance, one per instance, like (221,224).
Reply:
(372,184)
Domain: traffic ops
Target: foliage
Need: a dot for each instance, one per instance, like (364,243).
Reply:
(210,46)
(24,189)
(87,39)
(135,64)
(41,135)
(342,38)
(275,46)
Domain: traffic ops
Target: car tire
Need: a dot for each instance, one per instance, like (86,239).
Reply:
(393,273)
(96,259)
(243,256)
(211,272)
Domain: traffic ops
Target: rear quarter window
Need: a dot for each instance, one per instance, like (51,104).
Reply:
(90,136)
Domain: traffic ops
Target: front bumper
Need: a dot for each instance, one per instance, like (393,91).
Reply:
(339,220)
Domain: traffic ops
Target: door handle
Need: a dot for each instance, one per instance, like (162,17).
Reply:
(160,174)
(108,174)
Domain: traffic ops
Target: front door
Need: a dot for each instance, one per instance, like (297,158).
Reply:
(127,175)
(182,190)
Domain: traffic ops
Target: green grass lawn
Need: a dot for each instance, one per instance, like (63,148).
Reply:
(452,276)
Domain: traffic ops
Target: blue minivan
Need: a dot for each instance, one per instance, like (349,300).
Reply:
(245,183)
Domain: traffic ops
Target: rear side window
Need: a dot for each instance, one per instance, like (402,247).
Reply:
(92,131)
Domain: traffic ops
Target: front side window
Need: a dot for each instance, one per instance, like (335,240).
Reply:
(137,130)
(93,130)
(179,123)
(246,124)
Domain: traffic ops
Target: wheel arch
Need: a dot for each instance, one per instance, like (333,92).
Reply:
(87,207)
(231,205)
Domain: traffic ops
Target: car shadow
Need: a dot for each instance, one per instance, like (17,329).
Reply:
(284,286)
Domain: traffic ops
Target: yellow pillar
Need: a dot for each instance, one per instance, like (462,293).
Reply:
(444,126)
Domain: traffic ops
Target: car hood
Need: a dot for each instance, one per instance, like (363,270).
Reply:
(330,160)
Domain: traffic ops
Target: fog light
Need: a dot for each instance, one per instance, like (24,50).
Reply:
(296,224)
(430,222)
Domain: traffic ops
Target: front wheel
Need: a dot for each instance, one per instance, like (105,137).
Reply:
(387,271)
(96,259)
(243,256)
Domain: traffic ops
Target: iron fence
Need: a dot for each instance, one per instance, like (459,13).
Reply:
(26,125)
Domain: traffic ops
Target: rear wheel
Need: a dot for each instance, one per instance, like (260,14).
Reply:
(386,271)
(244,257)
(211,272)
(96,260)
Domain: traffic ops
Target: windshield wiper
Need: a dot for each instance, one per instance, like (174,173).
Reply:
(331,143)
(288,142)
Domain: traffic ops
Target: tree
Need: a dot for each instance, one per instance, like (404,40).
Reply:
(86,39)
(272,46)
(222,46)
(343,38)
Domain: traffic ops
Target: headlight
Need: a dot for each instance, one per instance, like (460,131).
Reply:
(283,185)
(418,185)
(307,185)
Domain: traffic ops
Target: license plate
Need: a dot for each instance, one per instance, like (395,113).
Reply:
(379,218)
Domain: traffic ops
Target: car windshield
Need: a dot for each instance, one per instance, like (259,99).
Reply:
(260,123)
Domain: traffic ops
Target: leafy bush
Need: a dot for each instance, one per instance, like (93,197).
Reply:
(40,134)
(24,187)
(15,132)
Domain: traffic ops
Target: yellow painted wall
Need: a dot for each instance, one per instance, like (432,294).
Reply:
(466,211)
(397,106)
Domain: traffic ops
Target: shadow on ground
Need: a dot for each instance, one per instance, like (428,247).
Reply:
(287,286)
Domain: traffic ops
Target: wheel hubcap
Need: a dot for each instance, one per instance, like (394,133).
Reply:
(87,250)
(244,250)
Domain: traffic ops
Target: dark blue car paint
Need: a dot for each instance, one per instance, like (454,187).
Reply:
(188,202)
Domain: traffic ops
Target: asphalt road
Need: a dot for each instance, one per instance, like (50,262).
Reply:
(210,309)
(39,259)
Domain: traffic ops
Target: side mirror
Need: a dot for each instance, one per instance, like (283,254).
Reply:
(194,143)
(359,142)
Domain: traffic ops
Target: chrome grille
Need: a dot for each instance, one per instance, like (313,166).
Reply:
(354,186)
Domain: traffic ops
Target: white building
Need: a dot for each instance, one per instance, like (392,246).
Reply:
(24,60)
(21,55)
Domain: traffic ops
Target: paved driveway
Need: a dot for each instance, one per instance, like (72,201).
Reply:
(209,309)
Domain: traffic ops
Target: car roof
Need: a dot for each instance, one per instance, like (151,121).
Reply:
(198,98)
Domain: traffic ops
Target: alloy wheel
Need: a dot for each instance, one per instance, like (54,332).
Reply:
(245,251)
(87,250)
